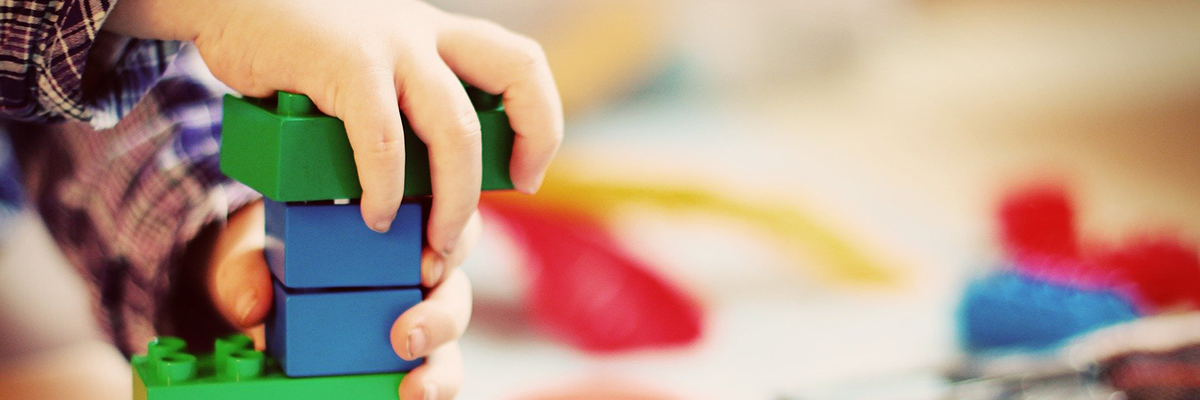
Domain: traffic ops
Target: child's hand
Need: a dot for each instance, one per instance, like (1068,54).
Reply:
(360,60)
(239,283)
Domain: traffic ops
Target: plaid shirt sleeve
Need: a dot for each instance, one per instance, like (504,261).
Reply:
(46,47)
(129,204)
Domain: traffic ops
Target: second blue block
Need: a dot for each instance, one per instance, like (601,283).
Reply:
(337,332)
(329,246)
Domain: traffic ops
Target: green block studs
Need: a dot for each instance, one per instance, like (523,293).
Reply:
(284,148)
(235,371)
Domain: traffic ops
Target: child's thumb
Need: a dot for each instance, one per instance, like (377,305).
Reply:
(239,280)
(243,288)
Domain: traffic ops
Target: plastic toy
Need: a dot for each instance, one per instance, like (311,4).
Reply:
(235,371)
(568,281)
(337,332)
(1160,269)
(284,148)
(338,286)
(1008,311)
(1038,221)
(326,245)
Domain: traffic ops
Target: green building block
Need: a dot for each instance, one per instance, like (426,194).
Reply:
(235,371)
(284,148)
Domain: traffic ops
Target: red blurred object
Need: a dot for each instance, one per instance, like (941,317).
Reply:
(1037,227)
(588,290)
(1039,222)
(601,388)
(1165,270)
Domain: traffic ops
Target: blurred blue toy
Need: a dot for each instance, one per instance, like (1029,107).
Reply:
(1006,311)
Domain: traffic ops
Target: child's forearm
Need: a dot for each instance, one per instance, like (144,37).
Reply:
(162,19)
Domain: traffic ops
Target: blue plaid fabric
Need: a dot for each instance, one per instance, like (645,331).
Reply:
(11,196)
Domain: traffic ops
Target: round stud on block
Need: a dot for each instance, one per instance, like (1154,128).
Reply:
(243,364)
(176,368)
(165,345)
(295,105)
(227,345)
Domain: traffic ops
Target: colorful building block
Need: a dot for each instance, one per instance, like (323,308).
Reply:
(284,148)
(326,245)
(1007,311)
(235,371)
(337,332)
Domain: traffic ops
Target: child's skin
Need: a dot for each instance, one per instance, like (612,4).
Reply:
(361,60)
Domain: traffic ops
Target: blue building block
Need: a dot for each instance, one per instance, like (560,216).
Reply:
(1007,311)
(325,245)
(337,332)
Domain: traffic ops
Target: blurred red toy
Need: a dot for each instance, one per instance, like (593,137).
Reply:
(1165,271)
(1038,231)
(1039,221)
(588,290)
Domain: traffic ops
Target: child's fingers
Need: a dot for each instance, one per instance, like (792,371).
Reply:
(367,103)
(499,61)
(438,379)
(239,281)
(442,116)
(438,320)
(435,266)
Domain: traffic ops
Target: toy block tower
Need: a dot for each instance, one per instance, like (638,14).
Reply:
(338,286)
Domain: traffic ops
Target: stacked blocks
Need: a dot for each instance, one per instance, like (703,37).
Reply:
(338,286)
(235,371)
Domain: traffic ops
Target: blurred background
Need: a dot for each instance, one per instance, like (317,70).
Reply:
(807,200)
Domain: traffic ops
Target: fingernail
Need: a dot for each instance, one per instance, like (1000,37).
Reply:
(532,188)
(430,391)
(245,306)
(436,269)
(449,246)
(416,342)
(383,226)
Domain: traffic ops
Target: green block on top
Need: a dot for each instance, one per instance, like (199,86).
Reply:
(235,371)
(284,148)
